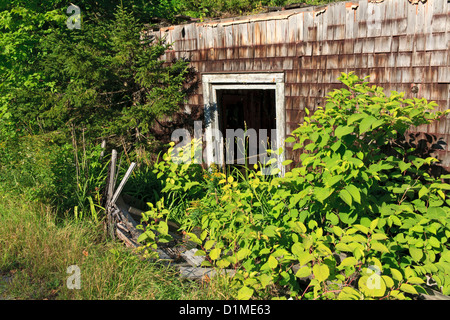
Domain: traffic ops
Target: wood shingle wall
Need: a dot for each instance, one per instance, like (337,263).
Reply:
(400,45)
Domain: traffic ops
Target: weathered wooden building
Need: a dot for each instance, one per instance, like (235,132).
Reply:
(292,58)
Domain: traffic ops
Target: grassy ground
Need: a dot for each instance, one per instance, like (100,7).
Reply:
(36,249)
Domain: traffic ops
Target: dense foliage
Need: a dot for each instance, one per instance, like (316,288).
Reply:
(64,90)
(361,217)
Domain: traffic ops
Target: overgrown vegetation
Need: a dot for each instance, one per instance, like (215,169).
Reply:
(362,217)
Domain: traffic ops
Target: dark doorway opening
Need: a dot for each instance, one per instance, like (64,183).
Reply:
(249,110)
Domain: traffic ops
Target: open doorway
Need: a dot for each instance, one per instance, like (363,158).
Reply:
(243,100)
(247,119)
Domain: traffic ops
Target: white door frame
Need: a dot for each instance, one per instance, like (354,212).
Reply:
(213,82)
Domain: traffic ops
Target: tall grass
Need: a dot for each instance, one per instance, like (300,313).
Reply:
(36,249)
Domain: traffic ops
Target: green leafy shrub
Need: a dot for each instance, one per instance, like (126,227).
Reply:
(362,217)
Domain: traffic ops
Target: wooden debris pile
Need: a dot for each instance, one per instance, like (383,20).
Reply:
(121,222)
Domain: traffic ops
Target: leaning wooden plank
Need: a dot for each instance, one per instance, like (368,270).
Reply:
(112,173)
(127,219)
(122,183)
(194,273)
(109,225)
(128,242)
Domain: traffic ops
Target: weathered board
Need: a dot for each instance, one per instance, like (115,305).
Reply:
(401,46)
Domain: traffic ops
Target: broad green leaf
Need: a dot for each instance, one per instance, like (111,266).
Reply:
(342,131)
(304,257)
(423,191)
(403,166)
(143,236)
(416,253)
(324,249)
(312,224)
(434,242)
(377,123)
(445,256)
(355,117)
(336,145)
(322,193)
(333,180)
(398,295)
(442,186)
(321,272)
(361,228)
(446,290)
(379,236)
(223,263)
(206,263)
(408,288)
(348,217)
(337,231)
(319,233)
(435,213)
(273,263)
(388,281)
(163,228)
(265,279)
(354,191)
(297,226)
(349,261)
(245,293)
(270,231)
(415,280)
(193,237)
(418,162)
(290,139)
(297,249)
(242,253)
(208,244)
(332,217)
(373,224)
(303,272)
(215,253)
(200,253)
(409,272)
(379,247)
(366,124)
(397,275)
(346,196)
(417,228)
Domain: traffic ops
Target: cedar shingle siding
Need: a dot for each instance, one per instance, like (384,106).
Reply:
(400,45)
